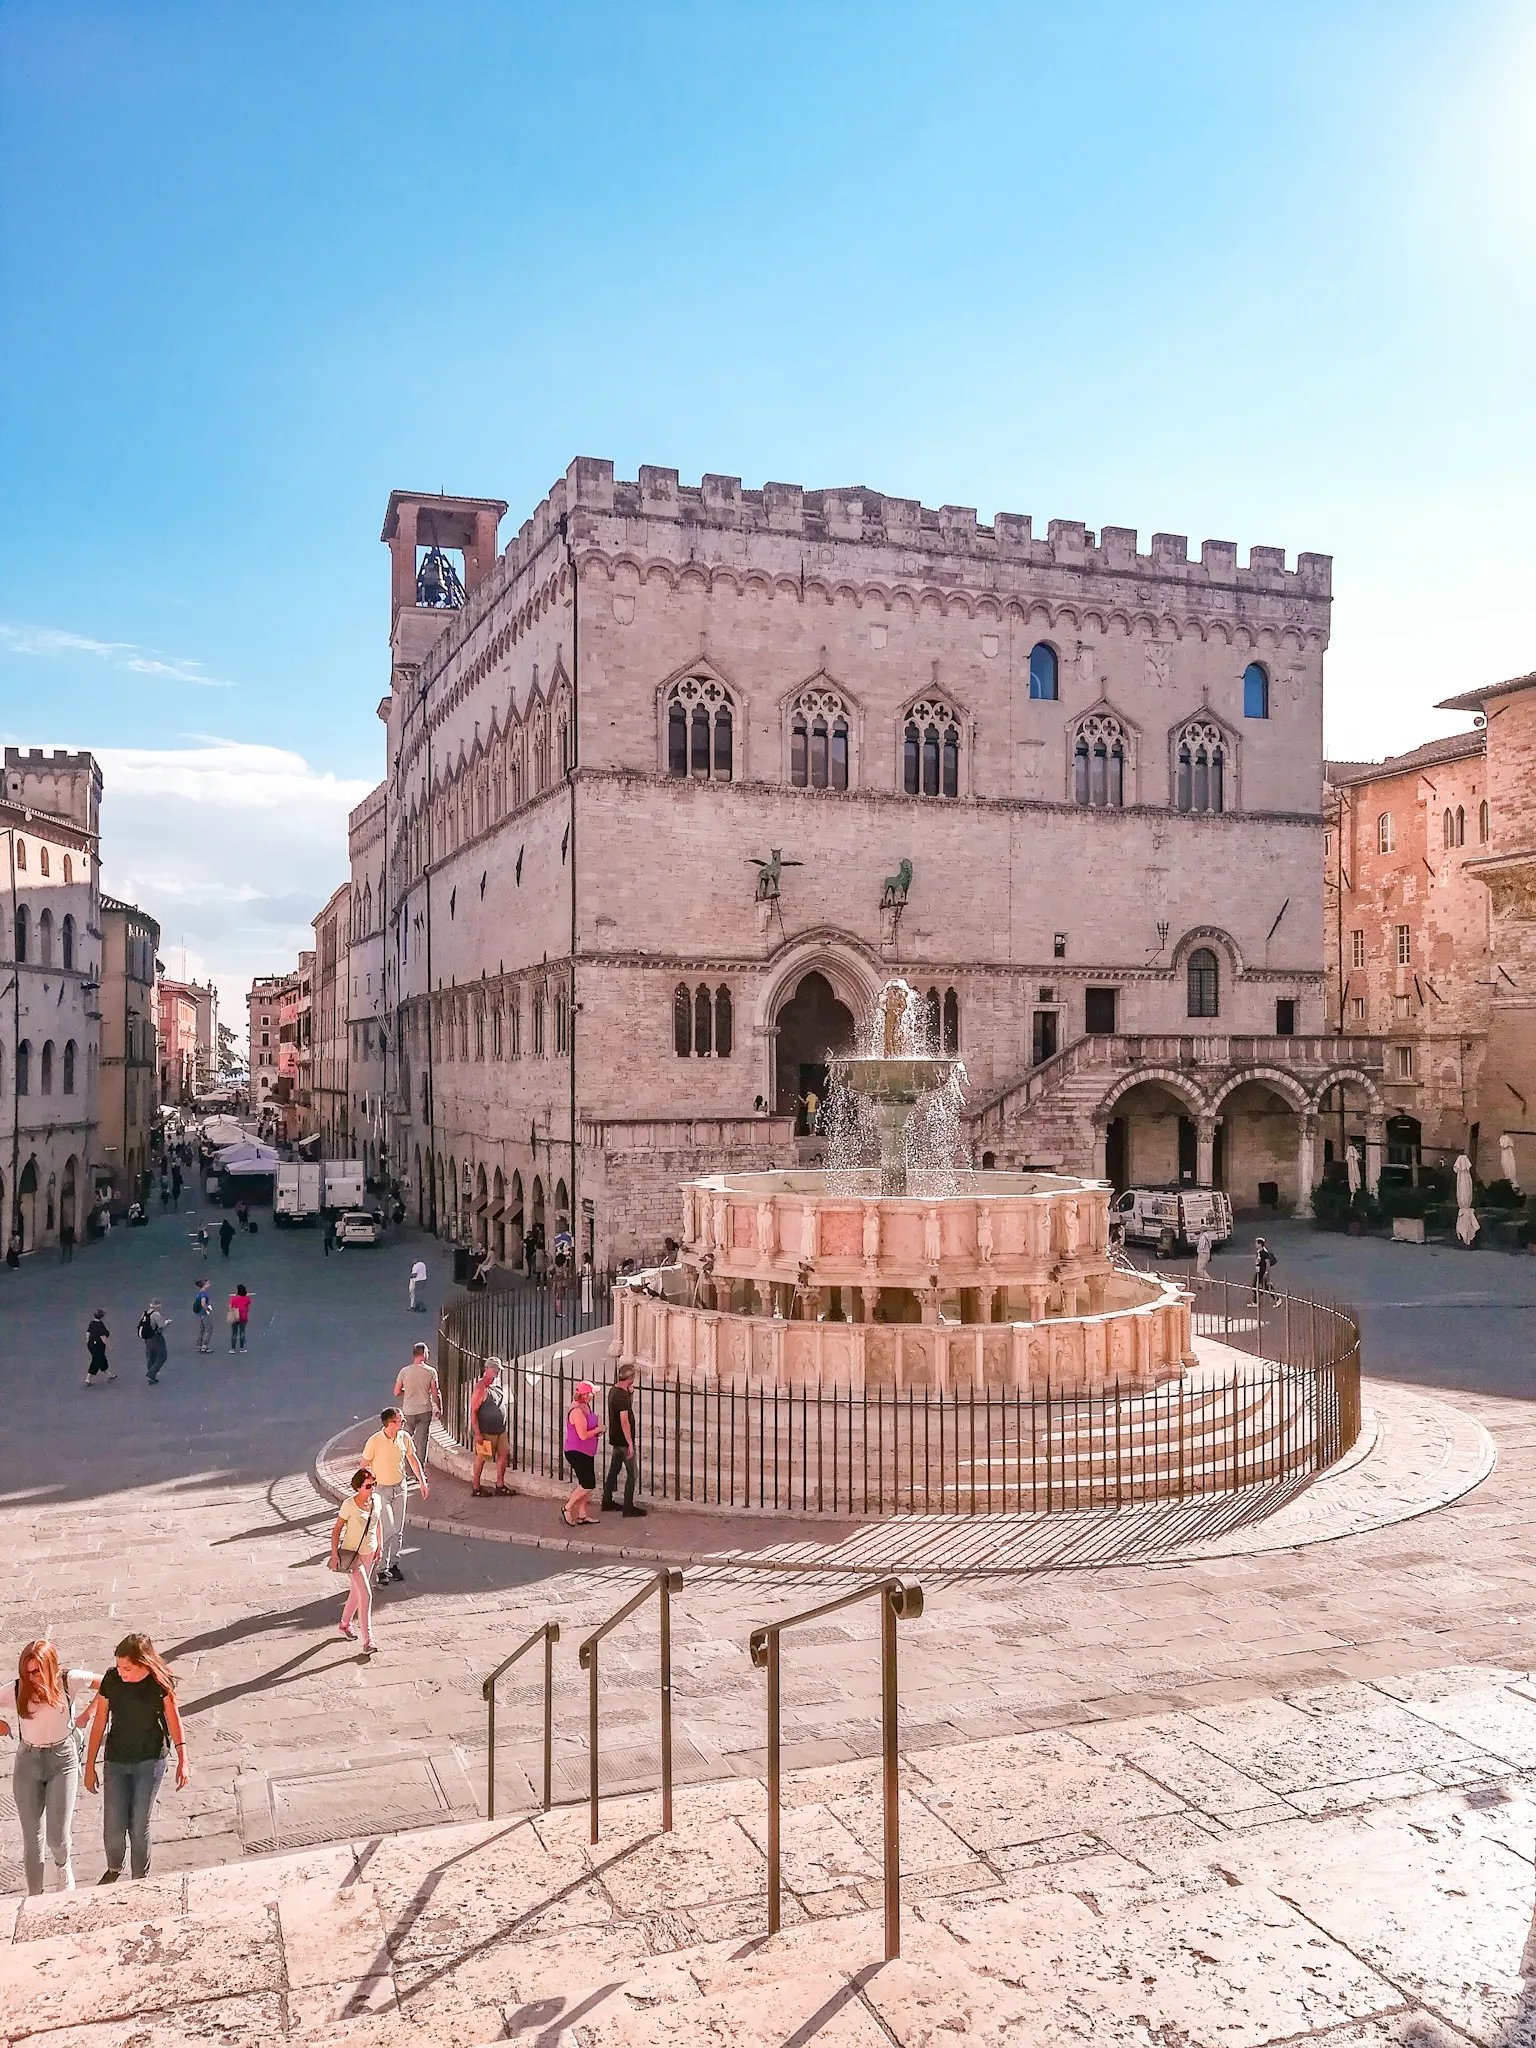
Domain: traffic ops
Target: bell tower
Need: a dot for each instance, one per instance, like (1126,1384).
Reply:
(424,531)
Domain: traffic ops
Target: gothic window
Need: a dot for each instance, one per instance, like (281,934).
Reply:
(1385,838)
(1461,826)
(69,869)
(931,750)
(1204,983)
(562,1020)
(69,1067)
(515,1021)
(463,1009)
(1200,767)
(42,860)
(67,936)
(1098,762)
(951,1021)
(1482,821)
(45,938)
(47,1067)
(538,1021)
(701,732)
(933,1019)
(818,741)
(565,748)
(1043,672)
(703,1024)
(21,855)
(1255,691)
(479,1031)
(723,1023)
(496,1032)
(682,1021)
(1448,829)
(21,928)
(24,1067)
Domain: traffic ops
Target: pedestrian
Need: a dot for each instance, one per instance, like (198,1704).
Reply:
(582,1433)
(623,1455)
(529,1241)
(586,1285)
(418,1392)
(389,1454)
(13,1250)
(96,1335)
(202,1308)
(488,1429)
(243,1215)
(418,1282)
(239,1316)
(136,1713)
(1264,1262)
(152,1330)
(67,1243)
(48,1704)
(357,1526)
(330,1235)
(165,1193)
(540,1264)
(176,1182)
(1203,1254)
(226,1237)
(201,1238)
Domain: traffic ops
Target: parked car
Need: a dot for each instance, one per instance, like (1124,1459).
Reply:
(357,1227)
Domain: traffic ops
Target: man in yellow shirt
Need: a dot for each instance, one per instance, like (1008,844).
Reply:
(389,1454)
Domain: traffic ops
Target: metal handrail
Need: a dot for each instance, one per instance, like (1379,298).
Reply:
(549,1635)
(664,1585)
(899,1601)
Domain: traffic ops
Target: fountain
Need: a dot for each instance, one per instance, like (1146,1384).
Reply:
(896,1265)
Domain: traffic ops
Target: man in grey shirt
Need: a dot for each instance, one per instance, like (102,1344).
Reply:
(420,1398)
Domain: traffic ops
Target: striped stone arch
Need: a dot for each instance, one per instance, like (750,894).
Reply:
(1179,1085)
(1277,1078)
(1335,1075)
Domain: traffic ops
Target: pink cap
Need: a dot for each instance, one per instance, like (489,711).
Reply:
(584,1386)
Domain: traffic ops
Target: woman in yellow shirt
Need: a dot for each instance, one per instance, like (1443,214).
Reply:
(354,1546)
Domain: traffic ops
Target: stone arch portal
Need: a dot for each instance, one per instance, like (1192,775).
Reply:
(811,1026)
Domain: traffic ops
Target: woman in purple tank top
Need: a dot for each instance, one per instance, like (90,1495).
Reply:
(582,1430)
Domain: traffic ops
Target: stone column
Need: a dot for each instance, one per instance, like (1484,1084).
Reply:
(870,1300)
(1100,1152)
(1205,1150)
(1305,1171)
(1375,1140)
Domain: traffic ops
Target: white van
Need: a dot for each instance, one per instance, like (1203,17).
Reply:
(1172,1216)
(343,1183)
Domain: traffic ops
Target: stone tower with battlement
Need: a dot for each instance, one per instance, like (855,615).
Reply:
(67,784)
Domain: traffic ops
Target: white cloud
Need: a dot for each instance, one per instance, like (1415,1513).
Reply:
(51,641)
(232,846)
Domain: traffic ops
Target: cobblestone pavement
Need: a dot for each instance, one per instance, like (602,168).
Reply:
(1350,1865)
(187,1509)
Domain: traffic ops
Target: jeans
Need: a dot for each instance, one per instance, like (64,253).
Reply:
(154,1354)
(45,1782)
(391,1500)
(237,1336)
(203,1327)
(414,1302)
(419,1428)
(128,1793)
(360,1600)
(626,1462)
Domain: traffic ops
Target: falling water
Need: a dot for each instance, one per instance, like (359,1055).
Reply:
(898,1028)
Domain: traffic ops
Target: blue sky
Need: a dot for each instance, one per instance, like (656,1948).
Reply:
(1259,273)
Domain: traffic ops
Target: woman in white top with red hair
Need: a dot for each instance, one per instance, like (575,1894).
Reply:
(46,1703)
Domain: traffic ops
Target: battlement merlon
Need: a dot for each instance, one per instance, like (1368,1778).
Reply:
(66,784)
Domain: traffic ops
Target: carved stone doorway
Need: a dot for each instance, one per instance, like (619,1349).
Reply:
(812,1025)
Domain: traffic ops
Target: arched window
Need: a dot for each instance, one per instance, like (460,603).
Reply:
(1385,838)
(24,1067)
(21,929)
(1255,691)
(931,751)
(479,1031)
(1448,829)
(45,1086)
(42,861)
(1200,768)
(933,1020)
(69,869)
(818,741)
(562,1019)
(45,939)
(723,1023)
(538,1021)
(703,1023)
(682,1021)
(701,732)
(1204,983)
(1098,762)
(1482,821)
(69,1067)
(1043,672)
(497,1040)
(1461,825)
(21,855)
(951,1021)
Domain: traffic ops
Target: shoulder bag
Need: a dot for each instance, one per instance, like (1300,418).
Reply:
(343,1562)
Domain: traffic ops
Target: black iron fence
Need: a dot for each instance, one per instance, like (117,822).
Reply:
(874,1451)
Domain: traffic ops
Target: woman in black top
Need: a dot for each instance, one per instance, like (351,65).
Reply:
(136,1713)
(96,1335)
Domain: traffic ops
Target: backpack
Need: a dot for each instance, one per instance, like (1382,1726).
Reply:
(146,1327)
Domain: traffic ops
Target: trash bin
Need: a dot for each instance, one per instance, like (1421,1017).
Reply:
(461,1264)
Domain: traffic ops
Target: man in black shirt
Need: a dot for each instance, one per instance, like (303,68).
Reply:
(622,1455)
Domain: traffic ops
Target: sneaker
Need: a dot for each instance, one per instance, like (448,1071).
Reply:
(66,1877)
(396,1573)
(109,1877)
(381,1578)
(349,1633)
(636,1511)
(370,1649)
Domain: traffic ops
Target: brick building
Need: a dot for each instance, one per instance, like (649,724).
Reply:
(187,1016)
(681,776)
(50,1009)
(263,1021)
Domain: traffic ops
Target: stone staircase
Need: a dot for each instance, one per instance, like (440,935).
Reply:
(1193,1877)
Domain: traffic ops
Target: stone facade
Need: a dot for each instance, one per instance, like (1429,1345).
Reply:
(1023,772)
(130,1066)
(264,1022)
(367,1035)
(187,1015)
(50,1013)
(329,1113)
